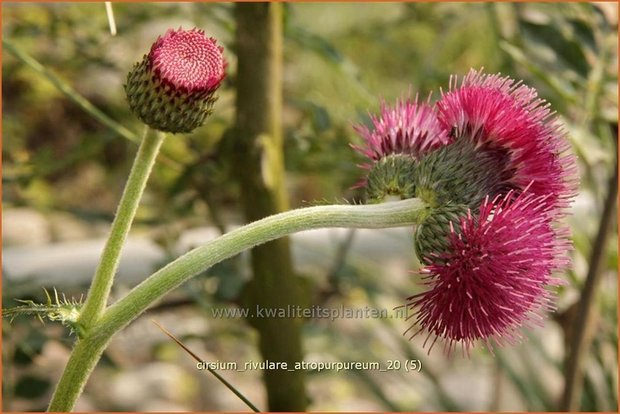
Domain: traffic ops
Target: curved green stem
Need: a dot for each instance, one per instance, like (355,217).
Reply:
(88,349)
(104,275)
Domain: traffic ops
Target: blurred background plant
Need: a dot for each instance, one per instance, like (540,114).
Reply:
(67,145)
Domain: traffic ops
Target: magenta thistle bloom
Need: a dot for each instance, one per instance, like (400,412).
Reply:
(498,113)
(173,88)
(406,128)
(492,278)
(487,263)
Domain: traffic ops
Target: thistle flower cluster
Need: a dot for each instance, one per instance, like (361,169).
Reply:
(173,88)
(494,167)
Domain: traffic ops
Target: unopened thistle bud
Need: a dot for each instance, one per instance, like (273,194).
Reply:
(173,88)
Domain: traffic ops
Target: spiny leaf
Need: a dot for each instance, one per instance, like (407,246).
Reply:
(61,309)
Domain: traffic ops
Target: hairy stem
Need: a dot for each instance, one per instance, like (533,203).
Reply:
(104,276)
(88,349)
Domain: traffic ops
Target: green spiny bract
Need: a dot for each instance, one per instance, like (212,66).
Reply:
(462,173)
(453,180)
(161,107)
(431,236)
(392,175)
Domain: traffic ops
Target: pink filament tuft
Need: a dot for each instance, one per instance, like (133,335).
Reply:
(406,128)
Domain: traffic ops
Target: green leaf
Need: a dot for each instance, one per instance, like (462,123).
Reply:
(549,37)
(528,394)
(584,33)
(314,43)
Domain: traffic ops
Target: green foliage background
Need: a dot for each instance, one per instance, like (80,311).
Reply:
(340,60)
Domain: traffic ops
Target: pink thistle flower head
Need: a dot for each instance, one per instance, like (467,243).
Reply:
(188,61)
(493,166)
(498,113)
(492,278)
(406,128)
(173,88)
(503,121)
